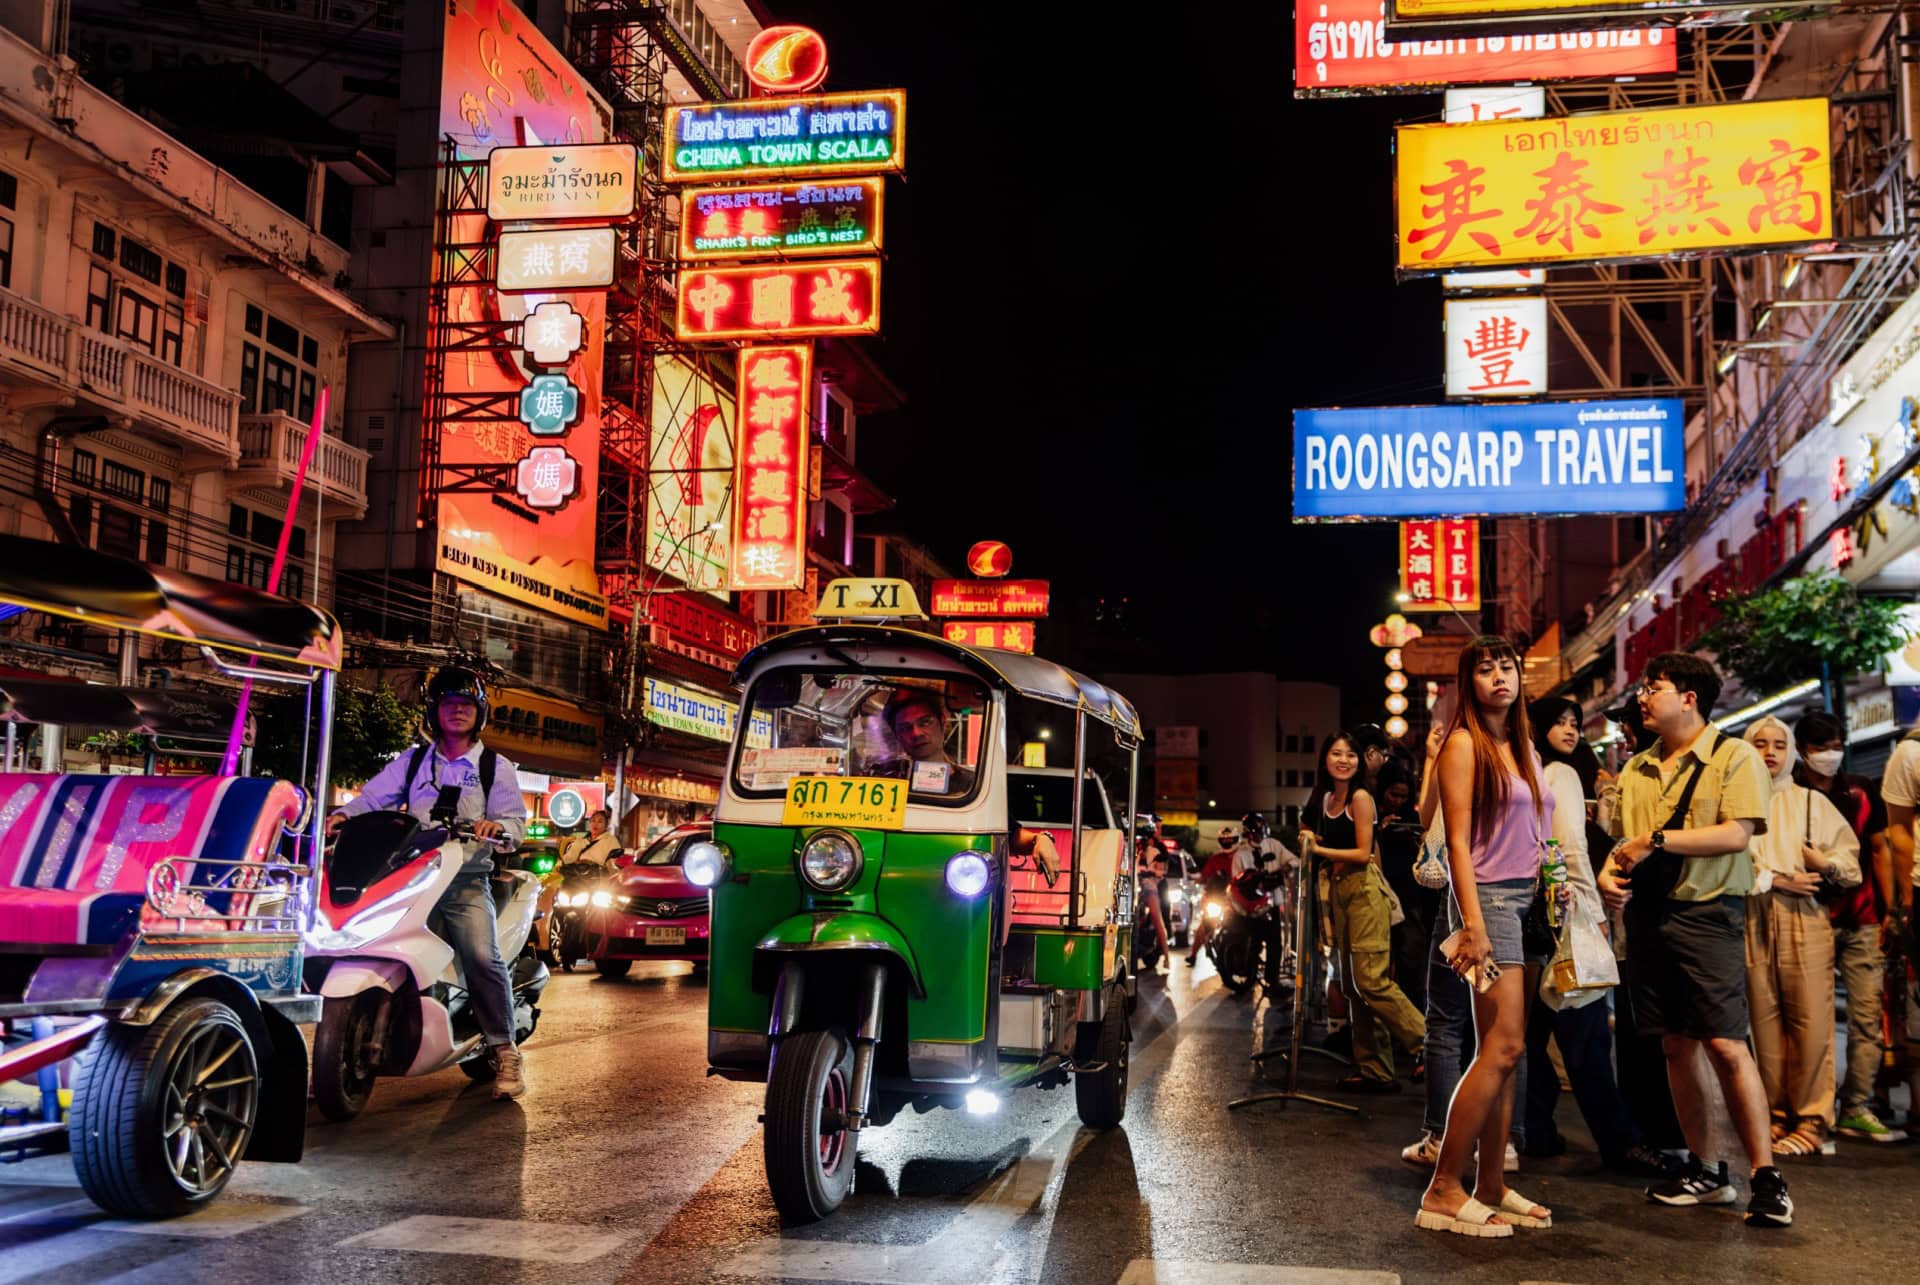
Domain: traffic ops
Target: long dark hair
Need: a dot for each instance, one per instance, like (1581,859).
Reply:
(1490,788)
(1324,784)
(1544,714)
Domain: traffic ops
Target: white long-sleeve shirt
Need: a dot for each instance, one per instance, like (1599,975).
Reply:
(1799,815)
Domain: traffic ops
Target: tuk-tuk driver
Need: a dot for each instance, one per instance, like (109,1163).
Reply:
(920,722)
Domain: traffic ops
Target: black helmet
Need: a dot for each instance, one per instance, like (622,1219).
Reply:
(1254,826)
(456,680)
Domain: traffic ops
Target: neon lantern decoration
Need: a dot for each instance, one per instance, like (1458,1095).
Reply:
(787,60)
(990,559)
(780,301)
(770,469)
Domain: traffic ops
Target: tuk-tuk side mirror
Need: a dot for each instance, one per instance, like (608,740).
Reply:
(777,691)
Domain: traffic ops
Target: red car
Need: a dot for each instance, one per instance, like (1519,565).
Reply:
(656,913)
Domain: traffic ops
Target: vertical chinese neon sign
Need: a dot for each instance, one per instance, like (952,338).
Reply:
(1440,564)
(769,476)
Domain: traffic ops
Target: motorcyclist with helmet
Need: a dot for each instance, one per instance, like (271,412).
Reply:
(1259,850)
(484,789)
(1213,882)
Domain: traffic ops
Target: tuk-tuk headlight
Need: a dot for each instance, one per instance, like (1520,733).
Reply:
(830,861)
(704,865)
(968,874)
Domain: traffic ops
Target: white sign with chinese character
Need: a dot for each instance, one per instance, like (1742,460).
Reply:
(556,259)
(1494,102)
(1496,347)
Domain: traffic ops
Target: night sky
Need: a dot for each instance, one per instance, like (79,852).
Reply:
(1122,255)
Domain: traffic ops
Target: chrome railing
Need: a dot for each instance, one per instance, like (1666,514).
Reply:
(260,896)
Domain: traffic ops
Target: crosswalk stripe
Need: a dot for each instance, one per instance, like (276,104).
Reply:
(968,1250)
(1150,1271)
(31,1260)
(538,1242)
(217,1221)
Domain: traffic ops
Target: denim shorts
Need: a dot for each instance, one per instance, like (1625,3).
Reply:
(1503,905)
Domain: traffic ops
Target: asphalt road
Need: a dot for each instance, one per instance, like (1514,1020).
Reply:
(626,1164)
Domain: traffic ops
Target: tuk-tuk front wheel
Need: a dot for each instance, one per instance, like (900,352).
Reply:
(1102,1095)
(163,1113)
(342,1079)
(809,1152)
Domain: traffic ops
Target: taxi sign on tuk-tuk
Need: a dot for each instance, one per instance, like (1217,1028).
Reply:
(868,802)
(869,598)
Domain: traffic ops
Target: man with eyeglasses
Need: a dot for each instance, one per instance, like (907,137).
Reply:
(1689,808)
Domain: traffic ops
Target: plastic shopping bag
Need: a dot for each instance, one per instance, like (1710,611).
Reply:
(1583,966)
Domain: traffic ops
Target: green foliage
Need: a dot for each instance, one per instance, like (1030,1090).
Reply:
(1780,637)
(369,728)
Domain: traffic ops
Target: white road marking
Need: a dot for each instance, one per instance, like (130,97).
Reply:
(29,1261)
(968,1250)
(217,1221)
(535,1242)
(1150,1271)
(61,1208)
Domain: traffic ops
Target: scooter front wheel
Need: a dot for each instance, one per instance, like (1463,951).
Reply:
(809,1151)
(342,1080)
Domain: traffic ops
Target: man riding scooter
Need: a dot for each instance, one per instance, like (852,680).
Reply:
(488,793)
(1259,850)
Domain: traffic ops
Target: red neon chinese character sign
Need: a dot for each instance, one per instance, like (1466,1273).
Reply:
(780,301)
(1003,635)
(1440,565)
(770,469)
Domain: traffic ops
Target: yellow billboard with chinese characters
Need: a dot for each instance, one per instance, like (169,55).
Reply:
(1681,181)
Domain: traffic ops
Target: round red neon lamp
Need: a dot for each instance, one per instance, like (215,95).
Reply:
(989,559)
(787,60)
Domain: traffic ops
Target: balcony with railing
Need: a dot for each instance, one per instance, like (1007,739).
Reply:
(119,379)
(270,450)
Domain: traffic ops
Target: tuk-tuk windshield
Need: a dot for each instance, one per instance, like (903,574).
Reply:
(928,731)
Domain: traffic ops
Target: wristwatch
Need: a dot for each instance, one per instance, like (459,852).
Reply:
(1658,840)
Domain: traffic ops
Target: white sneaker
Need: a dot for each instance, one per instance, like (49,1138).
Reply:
(1425,1153)
(510,1080)
(1509,1164)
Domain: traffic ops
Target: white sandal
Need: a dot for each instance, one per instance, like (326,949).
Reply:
(1518,1210)
(1473,1219)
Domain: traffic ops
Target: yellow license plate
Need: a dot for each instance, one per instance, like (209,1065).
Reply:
(872,803)
(666,936)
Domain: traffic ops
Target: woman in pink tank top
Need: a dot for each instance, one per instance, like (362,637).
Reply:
(1497,815)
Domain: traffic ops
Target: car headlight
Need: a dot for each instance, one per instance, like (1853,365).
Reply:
(601,899)
(830,861)
(705,864)
(968,874)
(1215,911)
(623,899)
(1176,897)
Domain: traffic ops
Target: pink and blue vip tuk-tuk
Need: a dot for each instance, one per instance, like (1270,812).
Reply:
(151,926)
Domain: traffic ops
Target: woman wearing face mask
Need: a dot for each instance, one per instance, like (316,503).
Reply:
(1807,846)
(1498,816)
(1577,1021)
(1339,822)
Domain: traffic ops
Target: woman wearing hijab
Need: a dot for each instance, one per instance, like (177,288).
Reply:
(1807,847)
(1577,1021)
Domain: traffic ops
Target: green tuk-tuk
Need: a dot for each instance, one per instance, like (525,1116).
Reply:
(902,913)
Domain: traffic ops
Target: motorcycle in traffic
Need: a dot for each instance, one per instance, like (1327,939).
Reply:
(395,998)
(1248,918)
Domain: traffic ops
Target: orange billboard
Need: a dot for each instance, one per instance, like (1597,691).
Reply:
(1342,46)
(1680,181)
(503,85)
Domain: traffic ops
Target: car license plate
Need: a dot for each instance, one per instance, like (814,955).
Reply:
(666,936)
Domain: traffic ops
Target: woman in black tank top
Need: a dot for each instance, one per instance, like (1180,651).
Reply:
(1339,822)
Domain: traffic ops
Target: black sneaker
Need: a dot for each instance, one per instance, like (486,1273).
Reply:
(1771,1206)
(1697,1185)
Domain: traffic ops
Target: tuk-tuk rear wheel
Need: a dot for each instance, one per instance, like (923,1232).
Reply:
(1102,1095)
(342,1081)
(809,1158)
(163,1113)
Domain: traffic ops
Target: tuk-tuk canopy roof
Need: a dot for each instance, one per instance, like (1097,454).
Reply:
(1029,676)
(186,715)
(119,593)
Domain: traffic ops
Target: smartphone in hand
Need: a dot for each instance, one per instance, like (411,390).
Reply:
(1478,977)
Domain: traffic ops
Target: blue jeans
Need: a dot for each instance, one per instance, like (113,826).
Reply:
(1451,1038)
(466,921)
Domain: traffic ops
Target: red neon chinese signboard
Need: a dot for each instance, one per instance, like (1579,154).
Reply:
(1342,45)
(780,301)
(1440,564)
(1020,599)
(1004,635)
(764,220)
(770,469)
